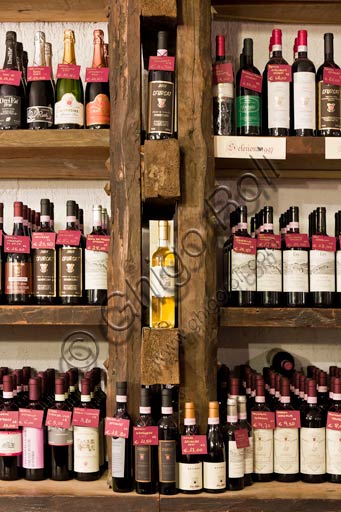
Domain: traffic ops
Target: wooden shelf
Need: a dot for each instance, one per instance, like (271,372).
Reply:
(51,315)
(54,154)
(59,10)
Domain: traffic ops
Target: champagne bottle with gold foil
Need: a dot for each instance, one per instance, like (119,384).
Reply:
(189,466)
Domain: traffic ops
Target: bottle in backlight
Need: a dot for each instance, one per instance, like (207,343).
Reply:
(234,455)
(248,451)
(162,279)
(328,96)
(333,437)
(145,456)
(263,439)
(10,440)
(96,263)
(214,464)
(189,466)
(223,95)
(97,113)
(69,106)
(168,435)
(34,438)
(121,448)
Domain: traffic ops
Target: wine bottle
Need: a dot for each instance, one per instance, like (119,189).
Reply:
(34,438)
(223,94)
(40,93)
(106,54)
(263,440)
(248,451)
(48,61)
(145,456)
(2,254)
(214,466)
(234,455)
(322,392)
(328,96)
(168,434)
(161,96)
(10,440)
(97,97)
(25,64)
(122,467)
(52,216)
(69,105)
(304,89)
(333,438)
(189,466)
(105,221)
(96,263)
(282,362)
(249,102)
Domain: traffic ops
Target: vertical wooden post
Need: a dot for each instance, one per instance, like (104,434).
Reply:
(196,242)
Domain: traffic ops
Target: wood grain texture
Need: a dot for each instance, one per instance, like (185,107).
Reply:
(51,315)
(160,356)
(162,9)
(196,240)
(161,170)
(58,10)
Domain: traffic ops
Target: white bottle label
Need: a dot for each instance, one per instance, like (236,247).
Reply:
(243,268)
(322,271)
(304,101)
(214,475)
(235,460)
(96,264)
(86,450)
(269,270)
(286,451)
(295,271)
(190,476)
(10,442)
(33,448)
(278,104)
(118,457)
(223,90)
(162,281)
(69,111)
(333,451)
(248,458)
(263,442)
(313,451)
(338,271)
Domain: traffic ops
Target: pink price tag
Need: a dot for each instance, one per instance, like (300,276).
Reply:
(31,418)
(161,63)
(223,73)
(194,445)
(99,243)
(146,436)
(279,73)
(85,417)
(242,438)
(288,419)
(71,71)
(263,419)
(323,243)
(57,418)
(268,241)
(244,245)
(332,76)
(35,73)
(117,427)
(17,244)
(1,237)
(251,81)
(9,420)
(96,75)
(10,77)
(334,420)
(43,240)
(299,240)
(68,237)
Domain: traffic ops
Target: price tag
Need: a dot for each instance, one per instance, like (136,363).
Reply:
(288,419)
(10,77)
(268,241)
(256,148)
(263,419)
(332,76)
(251,81)
(223,73)
(43,240)
(68,237)
(323,243)
(17,244)
(244,245)
(242,438)
(85,417)
(96,75)
(332,148)
(58,419)
(99,243)
(279,73)
(9,420)
(194,445)
(145,436)
(31,418)
(71,71)
(36,73)
(161,63)
(334,420)
(299,240)
(117,427)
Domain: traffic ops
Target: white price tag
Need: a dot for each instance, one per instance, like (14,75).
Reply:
(272,148)
(332,148)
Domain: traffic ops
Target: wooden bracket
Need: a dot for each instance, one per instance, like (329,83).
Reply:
(160,356)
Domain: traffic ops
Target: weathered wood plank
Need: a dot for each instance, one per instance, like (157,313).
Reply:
(161,170)
(160,356)
(162,9)
(58,10)
(51,315)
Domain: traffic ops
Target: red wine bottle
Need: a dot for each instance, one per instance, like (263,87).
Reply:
(2,254)
(168,435)
(328,96)
(262,441)
(145,456)
(322,392)
(214,464)
(333,438)
(223,95)
(234,455)
(248,451)
(122,467)
(96,263)
(34,438)
(282,362)
(10,440)
(189,466)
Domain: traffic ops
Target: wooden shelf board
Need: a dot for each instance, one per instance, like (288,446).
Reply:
(58,10)
(51,315)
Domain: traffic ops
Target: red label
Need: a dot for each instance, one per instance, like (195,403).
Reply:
(68,237)
(268,241)
(323,243)
(36,73)
(288,419)
(263,419)
(161,63)
(10,77)
(31,418)
(332,76)
(242,438)
(57,418)
(9,420)
(244,245)
(146,436)
(251,81)
(98,243)
(43,240)
(17,244)
(194,445)
(279,73)
(85,417)
(97,75)
(299,240)
(334,420)
(68,71)
(117,427)
(223,73)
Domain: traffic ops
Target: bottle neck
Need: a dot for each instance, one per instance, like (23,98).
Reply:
(277,50)
(302,52)
(71,222)
(248,60)
(98,57)
(69,52)
(11,56)
(39,54)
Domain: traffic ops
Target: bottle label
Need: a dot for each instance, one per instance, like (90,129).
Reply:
(295,271)
(333,451)
(278,104)
(214,475)
(248,458)
(96,270)
(161,107)
(167,462)
(18,278)
(322,271)
(70,272)
(248,111)
(69,111)
(304,101)
(118,447)
(223,115)
(328,106)
(10,443)
(338,271)
(263,441)
(313,451)
(86,450)
(286,451)
(235,460)
(10,111)
(44,273)
(38,114)
(98,111)
(162,281)
(143,470)
(60,436)
(33,448)
(269,270)
(190,476)
(243,267)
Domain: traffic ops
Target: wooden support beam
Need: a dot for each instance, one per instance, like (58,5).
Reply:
(162,9)
(160,356)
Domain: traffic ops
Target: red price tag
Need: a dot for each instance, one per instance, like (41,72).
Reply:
(17,244)
(99,243)
(268,241)
(263,419)
(161,63)
(68,237)
(288,419)
(323,243)
(332,76)
(117,427)
(299,240)
(279,73)
(223,73)
(194,445)
(36,73)
(96,75)
(10,77)
(31,418)
(58,419)
(242,438)
(9,420)
(244,245)
(43,240)
(146,436)
(251,81)
(71,71)
(85,417)
(334,420)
